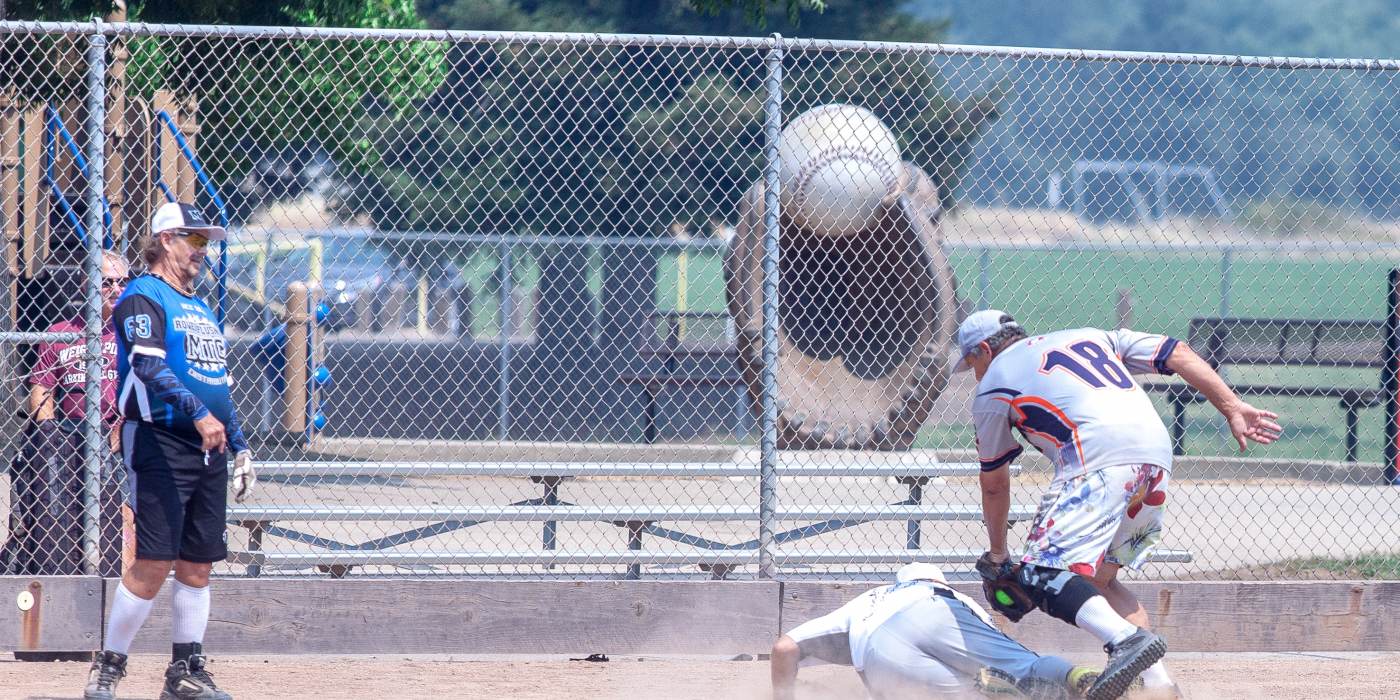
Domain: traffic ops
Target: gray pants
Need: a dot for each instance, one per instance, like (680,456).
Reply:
(936,647)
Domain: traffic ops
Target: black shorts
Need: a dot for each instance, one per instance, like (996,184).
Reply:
(177,495)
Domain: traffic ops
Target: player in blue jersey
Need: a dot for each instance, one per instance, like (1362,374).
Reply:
(173,390)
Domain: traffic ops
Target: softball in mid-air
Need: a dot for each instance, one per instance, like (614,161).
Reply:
(840,163)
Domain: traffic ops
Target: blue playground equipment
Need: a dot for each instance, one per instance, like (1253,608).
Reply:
(54,132)
(270,348)
(221,272)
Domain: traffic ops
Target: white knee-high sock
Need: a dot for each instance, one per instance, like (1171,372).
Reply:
(1099,618)
(129,612)
(1156,676)
(190,613)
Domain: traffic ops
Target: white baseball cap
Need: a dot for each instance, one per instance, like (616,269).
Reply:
(186,218)
(976,328)
(920,571)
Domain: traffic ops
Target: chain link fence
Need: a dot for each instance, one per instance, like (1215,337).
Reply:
(63,499)
(591,306)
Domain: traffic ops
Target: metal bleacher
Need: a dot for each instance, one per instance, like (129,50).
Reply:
(719,558)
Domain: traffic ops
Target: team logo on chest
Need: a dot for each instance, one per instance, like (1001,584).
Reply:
(205,349)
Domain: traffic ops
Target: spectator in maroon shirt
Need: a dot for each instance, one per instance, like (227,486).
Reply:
(48,496)
(60,374)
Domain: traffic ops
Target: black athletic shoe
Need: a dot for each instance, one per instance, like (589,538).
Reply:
(108,667)
(188,679)
(1126,660)
(1082,678)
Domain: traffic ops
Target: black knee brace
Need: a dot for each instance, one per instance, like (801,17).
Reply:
(1058,592)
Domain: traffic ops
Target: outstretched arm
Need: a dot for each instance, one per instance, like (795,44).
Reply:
(1246,422)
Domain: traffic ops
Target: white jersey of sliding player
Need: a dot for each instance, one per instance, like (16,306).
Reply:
(843,636)
(1071,394)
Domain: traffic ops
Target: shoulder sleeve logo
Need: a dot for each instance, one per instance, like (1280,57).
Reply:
(138,326)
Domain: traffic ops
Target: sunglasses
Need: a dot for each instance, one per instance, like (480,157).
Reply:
(196,240)
(113,282)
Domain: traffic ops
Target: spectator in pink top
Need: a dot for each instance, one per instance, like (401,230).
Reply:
(48,495)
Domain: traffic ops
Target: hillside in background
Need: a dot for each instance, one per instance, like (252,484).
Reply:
(1286,152)
(1338,28)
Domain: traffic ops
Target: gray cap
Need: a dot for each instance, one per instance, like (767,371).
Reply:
(976,328)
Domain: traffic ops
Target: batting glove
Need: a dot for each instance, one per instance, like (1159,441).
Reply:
(244,478)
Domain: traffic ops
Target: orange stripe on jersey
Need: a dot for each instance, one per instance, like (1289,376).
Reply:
(1158,350)
(1053,410)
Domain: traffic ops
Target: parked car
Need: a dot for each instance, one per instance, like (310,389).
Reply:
(350,268)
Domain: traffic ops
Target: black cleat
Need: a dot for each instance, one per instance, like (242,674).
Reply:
(108,667)
(188,679)
(1126,660)
(1082,678)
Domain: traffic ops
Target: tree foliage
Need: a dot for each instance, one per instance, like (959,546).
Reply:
(876,20)
(322,13)
(633,139)
(504,137)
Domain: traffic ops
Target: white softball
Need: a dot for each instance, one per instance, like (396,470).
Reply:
(839,163)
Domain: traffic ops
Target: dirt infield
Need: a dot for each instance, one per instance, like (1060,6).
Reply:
(1283,676)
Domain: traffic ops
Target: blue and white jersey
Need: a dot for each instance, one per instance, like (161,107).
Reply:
(153,318)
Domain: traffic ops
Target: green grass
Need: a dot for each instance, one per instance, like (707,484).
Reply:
(1376,566)
(1065,289)
(1365,566)
(704,290)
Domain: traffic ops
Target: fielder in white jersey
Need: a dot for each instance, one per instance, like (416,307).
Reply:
(1071,394)
(920,638)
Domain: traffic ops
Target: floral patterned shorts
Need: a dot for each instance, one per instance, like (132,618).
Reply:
(1111,515)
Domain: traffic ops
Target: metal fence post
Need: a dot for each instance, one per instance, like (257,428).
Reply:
(1390,378)
(1227,283)
(768,441)
(92,310)
(507,329)
(1227,279)
(984,279)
